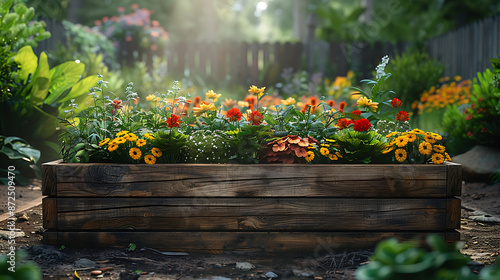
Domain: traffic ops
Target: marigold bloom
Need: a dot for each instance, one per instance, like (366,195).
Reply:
(149,136)
(103,142)
(234,114)
(212,95)
(391,134)
(362,125)
(288,101)
(324,151)
(388,149)
(173,121)
(425,148)
(364,102)
(438,149)
(401,141)
(156,152)
(123,132)
(400,155)
(437,158)
(356,112)
(257,91)
(310,156)
(418,131)
(395,103)
(402,116)
(112,147)
(342,106)
(333,157)
(135,153)
(430,138)
(150,159)
(344,123)
(141,142)
(411,137)
(255,118)
(447,156)
(131,137)
(120,140)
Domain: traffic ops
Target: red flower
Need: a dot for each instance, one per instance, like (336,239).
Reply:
(117,103)
(330,103)
(344,123)
(255,117)
(234,114)
(395,103)
(468,117)
(402,116)
(469,134)
(173,121)
(362,125)
(356,112)
(197,101)
(342,106)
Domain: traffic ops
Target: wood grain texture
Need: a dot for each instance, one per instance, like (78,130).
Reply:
(453,179)
(258,180)
(49,209)
(253,214)
(453,213)
(317,243)
(49,178)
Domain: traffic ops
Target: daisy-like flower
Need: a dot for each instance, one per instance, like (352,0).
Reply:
(141,142)
(401,141)
(112,147)
(123,132)
(438,149)
(150,159)
(149,136)
(436,136)
(333,157)
(310,156)
(288,101)
(212,95)
(388,149)
(324,151)
(152,97)
(255,118)
(256,91)
(173,121)
(120,140)
(156,152)
(391,134)
(395,103)
(437,158)
(132,137)
(411,137)
(234,115)
(400,155)
(135,153)
(339,155)
(103,142)
(402,116)
(204,107)
(418,131)
(364,102)
(430,138)
(425,148)
(447,157)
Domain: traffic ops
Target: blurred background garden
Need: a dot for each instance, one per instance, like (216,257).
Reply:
(440,58)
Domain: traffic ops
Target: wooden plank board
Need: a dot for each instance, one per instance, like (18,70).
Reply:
(49,209)
(454,179)
(317,243)
(49,175)
(292,214)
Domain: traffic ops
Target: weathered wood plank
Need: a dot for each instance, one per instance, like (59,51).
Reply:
(49,209)
(209,214)
(318,243)
(453,179)
(453,213)
(49,178)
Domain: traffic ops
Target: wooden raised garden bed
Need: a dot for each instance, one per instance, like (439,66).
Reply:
(269,207)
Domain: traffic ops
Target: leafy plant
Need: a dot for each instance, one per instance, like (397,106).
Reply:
(249,141)
(206,146)
(131,247)
(23,270)
(357,147)
(16,152)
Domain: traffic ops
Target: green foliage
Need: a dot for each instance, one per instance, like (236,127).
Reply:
(24,270)
(6,79)
(16,152)
(412,73)
(359,147)
(171,142)
(16,28)
(479,124)
(131,247)
(206,146)
(339,25)
(393,260)
(249,141)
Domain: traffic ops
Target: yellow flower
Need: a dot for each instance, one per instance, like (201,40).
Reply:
(152,97)
(131,137)
(112,147)
(429,138)
(149,136)
(401,141)
(135,153)
(391,134)
(364,102)
(156,152)
(288,101)
(436,136)
(330,140)
(123,132)
(457,78)
(338,154)
(120,140)
(411,137)
(324,151)
(211,94)
(400,155)
(333,157)
(437,158)
(425,148)
(257,91)
(438,149)
(150,159)
(418,131)
(447,157)
(388,149)
(103,142)
(141,143)
(325,145)
(243,104)
(204,107)
(310,156)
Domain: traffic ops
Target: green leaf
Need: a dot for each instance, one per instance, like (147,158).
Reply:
(32,153)
(26,60)
(44,123)
(9,20)
(11,154)
(41,82)
(28,15)
(5,6)
(63,77)
(80,88)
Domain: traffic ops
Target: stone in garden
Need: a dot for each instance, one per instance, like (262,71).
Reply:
(96,272)
(5,234)
(244,266)
(271,275)
(479,163)
(22,218)
(485,219)
(84,263)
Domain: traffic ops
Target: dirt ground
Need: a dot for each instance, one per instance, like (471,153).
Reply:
(480,231)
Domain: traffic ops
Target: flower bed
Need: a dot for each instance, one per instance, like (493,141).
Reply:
(279,207)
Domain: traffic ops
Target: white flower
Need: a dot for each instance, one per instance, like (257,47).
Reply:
(380,68)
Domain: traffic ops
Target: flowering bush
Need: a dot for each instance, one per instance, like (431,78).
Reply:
(176,129)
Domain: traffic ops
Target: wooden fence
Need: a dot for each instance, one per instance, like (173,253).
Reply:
(467,50)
